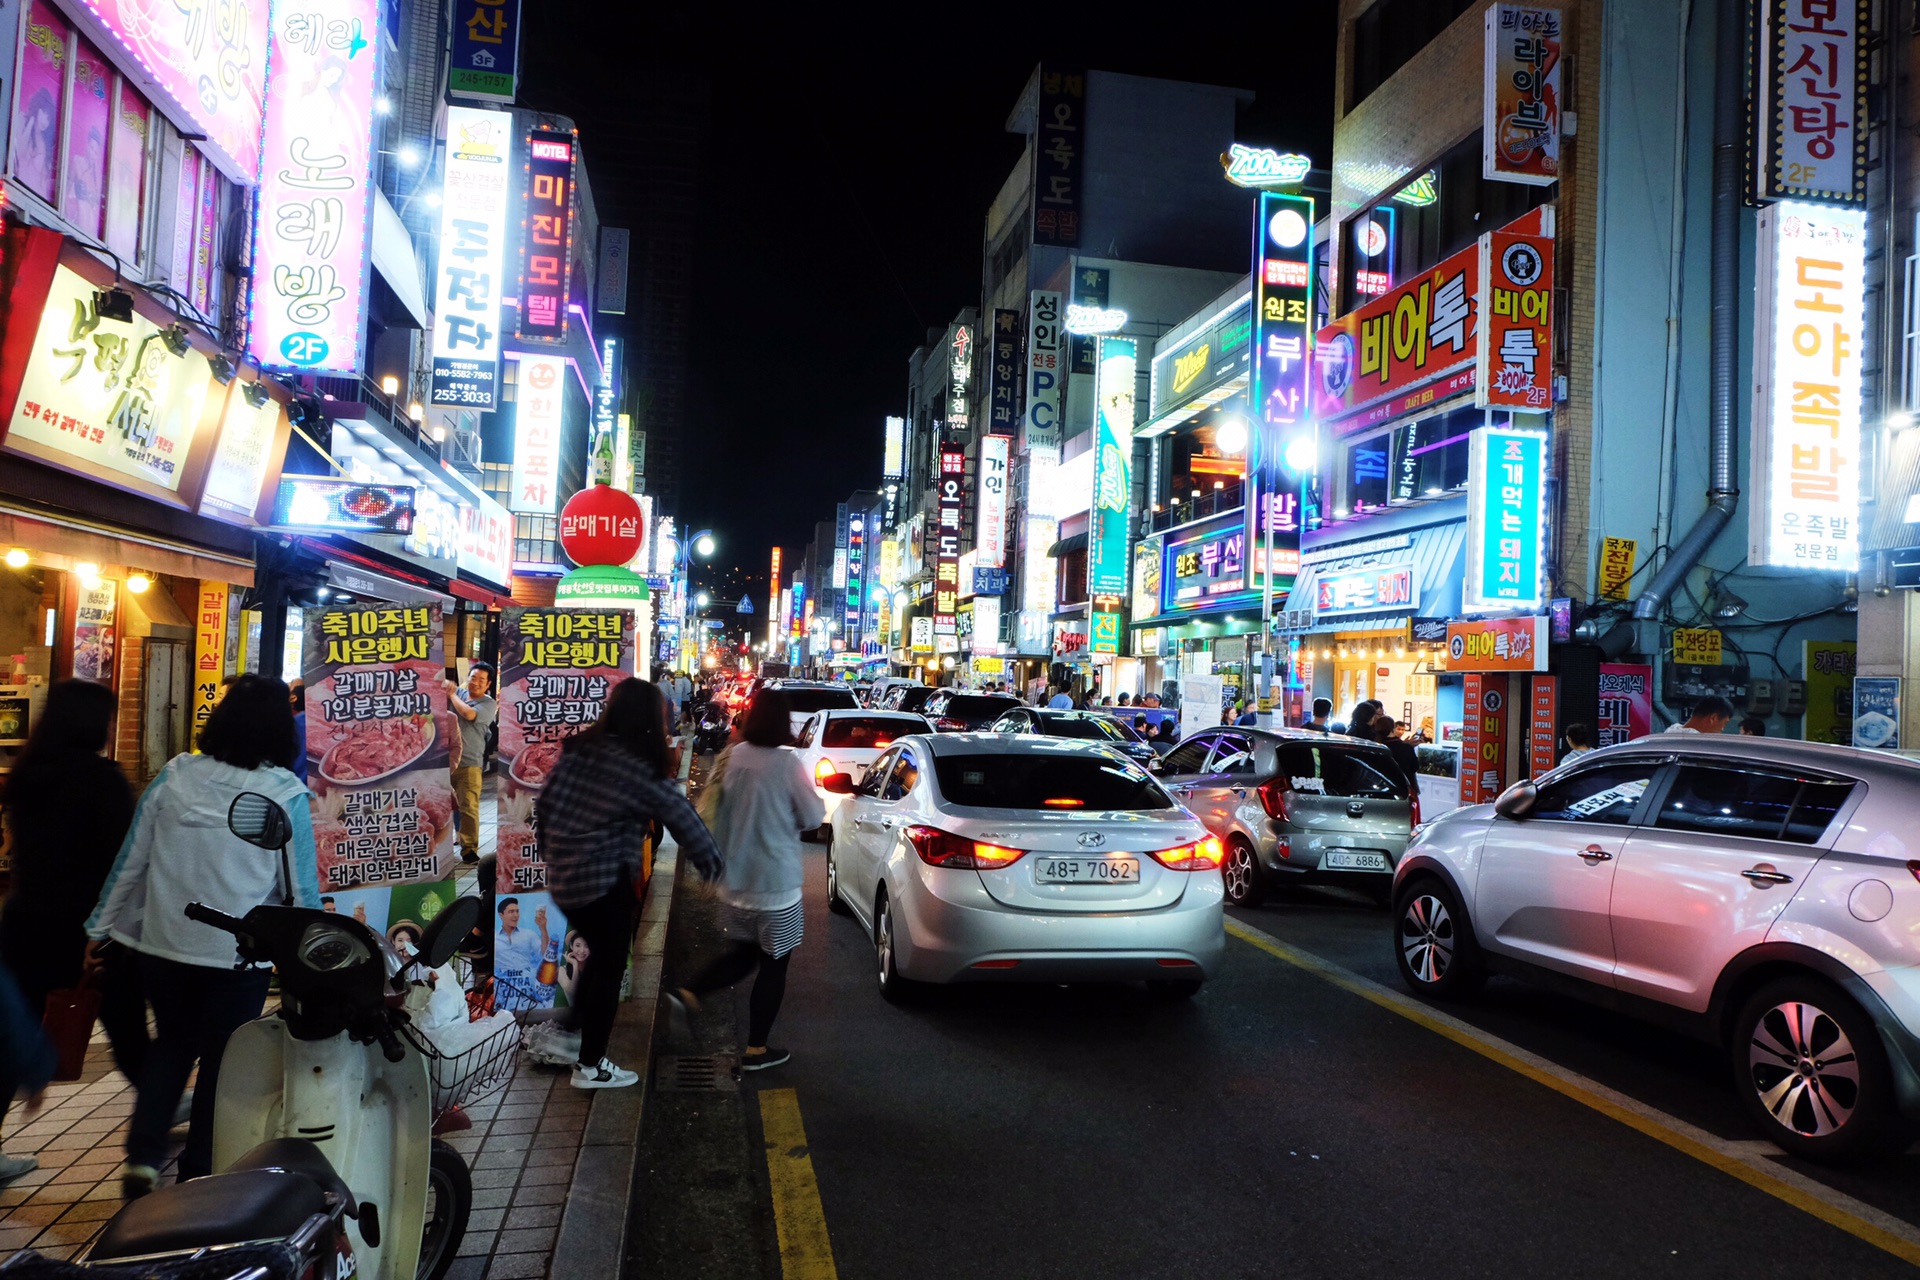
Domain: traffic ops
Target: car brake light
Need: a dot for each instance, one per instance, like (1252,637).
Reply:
(1201,855)
(939,848)
(824,770)
(947,724)
(1273,797)
(1064,802)
(1413,800)
(1915,868)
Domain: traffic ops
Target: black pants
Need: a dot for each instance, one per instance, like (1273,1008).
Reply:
(45,960)
(607,925)
(769,987)
(196,1008)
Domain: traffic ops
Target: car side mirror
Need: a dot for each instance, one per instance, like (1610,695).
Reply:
(446,931)
(1516,802)
(838,783)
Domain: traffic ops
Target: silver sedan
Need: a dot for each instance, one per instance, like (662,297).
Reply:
(982,857)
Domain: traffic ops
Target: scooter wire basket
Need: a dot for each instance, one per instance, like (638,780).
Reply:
(464,1077)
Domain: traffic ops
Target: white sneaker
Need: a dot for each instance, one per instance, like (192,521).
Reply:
(12,1167)
(603,1075)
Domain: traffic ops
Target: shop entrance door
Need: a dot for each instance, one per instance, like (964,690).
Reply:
(166,696)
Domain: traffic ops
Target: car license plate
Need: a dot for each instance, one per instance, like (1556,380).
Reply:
(1354,860)
(1086,871)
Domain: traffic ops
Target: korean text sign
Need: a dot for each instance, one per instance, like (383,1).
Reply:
(313,213)
(960,350)
(1616,566)
(990,538)
(548,246)
(209,651)
(486,50)
(1506,482)
(1421,330)
(378,745)
(557,667)
(473,237)
(1201,569)
(211,60)
(1046,370)
(1543,732)
(1809,353)
(1876,712)
(1626,703)
(1521,125)
(1497,644)
(1281,385)
(106,396)
(1112,468)
(1003,373)
(1514,360)
(541,395)
(242,458)
(1810,120)
(946,558)
(1483,738)
(1059,151)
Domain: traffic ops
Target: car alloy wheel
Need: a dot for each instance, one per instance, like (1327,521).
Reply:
(835,902)
(1433,941)
(1241,872)
(1427,938)
(1804,1068)
(1813,1074)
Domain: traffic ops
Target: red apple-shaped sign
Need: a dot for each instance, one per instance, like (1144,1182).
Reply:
(601,525)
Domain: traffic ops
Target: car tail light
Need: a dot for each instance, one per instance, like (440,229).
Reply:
(994,964)
(1201,855)
(824,770)
(939,848)
(1915,868)
(1413,800)
(1273,797)
(947,724)
(1174,962)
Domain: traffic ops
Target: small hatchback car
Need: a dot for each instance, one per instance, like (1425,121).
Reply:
(1759,893)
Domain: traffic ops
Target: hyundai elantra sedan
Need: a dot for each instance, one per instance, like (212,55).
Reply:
(975,857)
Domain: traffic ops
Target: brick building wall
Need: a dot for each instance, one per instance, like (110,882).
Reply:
(126,728)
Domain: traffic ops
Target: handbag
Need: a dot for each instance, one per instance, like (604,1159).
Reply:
(71,1012)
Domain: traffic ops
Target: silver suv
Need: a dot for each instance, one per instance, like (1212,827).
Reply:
(1759,893)
(1295,806)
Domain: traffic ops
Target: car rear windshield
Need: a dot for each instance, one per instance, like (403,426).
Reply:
(1074,727)
(1019,780)
(977,706)
(862,733)
(808,701)
(1340,771)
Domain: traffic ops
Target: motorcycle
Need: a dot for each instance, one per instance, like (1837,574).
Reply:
(711,727)
(329,1164)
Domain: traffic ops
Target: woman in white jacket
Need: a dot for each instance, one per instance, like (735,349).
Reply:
(179,851)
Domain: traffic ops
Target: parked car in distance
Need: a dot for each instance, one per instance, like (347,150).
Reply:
(1293,806)
(804,697)
(907,697)
(1088,725)
(1760,893)
(877,692)
(843,740)
(955,712)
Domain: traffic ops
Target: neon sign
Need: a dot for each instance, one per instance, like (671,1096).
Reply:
(1258,167)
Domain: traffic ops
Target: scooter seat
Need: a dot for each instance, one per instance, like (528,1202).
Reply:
(227,1208)
(297,1155)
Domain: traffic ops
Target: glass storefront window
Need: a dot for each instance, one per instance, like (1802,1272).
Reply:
(89,122)
(1408,462)
(38,94)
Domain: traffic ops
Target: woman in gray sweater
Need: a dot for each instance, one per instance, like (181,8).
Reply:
(758,802)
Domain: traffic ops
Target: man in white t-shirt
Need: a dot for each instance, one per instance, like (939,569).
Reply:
(1709,715)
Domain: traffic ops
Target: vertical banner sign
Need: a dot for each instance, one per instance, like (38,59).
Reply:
(1808,359)
(893,465)
(1543,734)
(1876,712)
(94,632)
(1828,667)
(540,395)
(990,532)
(486,50)
(1483,738)
(1616,566)
(1810,118)
(209,652)
(557,667)
(606,393)
(1003,373)
(1046,379)
(1112,468)
(774,593)
(1513,368)
(313,211)
(1626,703)
(946,563)
(548,247)
(986,625)
(1506,475)
(960,378)
(1520,140)
(616,249)
(1059,148)
(854,601)
(378,744)
(473,239)
(1281,451)
(1105,634)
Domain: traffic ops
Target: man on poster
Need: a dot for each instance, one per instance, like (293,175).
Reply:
(518,959)
(477,712)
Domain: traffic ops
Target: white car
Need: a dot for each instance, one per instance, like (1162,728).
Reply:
(976,857)
(847,740)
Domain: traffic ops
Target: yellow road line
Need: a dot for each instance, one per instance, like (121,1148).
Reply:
(1882,1230)
(805,1252)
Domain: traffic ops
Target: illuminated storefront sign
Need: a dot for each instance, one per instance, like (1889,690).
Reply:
(1112,468)
(1146,578)
(549,235)
(1506,515)
(1258,167)
(1422,330)
(894,456)
(1197,570)
(486,50)
(1388,589)
(986,625)
(540,399)
(473,239)
(486,541)
(946,555)
(1375,250)
(990,530)
(855,601)
(1184,375)
(960,378)
(1046,374)
(606,395)
(1105,634)
(1521,119)
(248,435)
(1513,366)
(1059,149)
(1003,373)
(1498,644)
(321,502)
(777,594)
(1281,450)
(1085,320)
(313,211)
(1809,343)
(1810,114)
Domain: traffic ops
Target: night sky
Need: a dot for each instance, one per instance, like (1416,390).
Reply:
(848,173)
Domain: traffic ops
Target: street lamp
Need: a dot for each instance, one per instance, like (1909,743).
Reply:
(701,542)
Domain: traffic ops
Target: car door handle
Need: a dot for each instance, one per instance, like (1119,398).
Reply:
(888,822)
(1594,853)
(1767,875)
(1241,792)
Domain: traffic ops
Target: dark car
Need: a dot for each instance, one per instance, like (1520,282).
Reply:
(953,712)
(908,697)
(1089,725)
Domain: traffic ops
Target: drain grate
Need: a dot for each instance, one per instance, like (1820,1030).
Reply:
(694,1075)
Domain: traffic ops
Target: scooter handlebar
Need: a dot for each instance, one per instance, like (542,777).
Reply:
(390,1044)
(218,919)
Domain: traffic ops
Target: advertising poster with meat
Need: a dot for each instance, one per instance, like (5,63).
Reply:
(557,667)
(378,737)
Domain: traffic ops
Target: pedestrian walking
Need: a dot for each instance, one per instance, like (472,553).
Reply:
(762,800)
(1579,740)
(179,851)
(27,1062)
(477,711)
(613,782)
(298,690)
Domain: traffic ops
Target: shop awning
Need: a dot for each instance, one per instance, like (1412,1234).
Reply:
(479,593)
(82,540)
(1436,553)
(1068,545)
(359,581)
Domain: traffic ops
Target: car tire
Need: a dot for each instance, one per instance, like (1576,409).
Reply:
(1240,871)
(1811,1072)
(1433,941)
(835,903)
(1180,989)
(893,988)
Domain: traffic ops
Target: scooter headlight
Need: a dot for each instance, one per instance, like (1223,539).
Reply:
(327,948)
